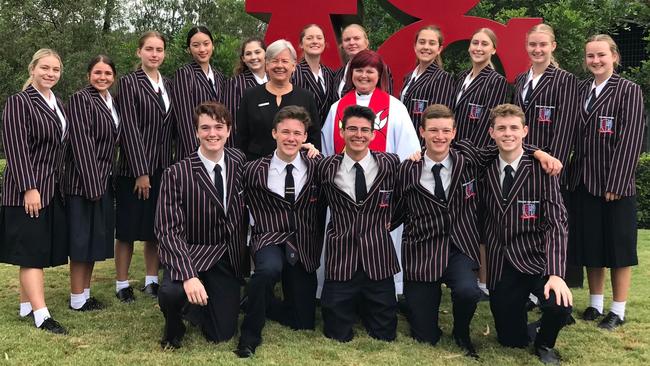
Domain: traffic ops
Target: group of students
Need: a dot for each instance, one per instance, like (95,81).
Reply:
(460,208)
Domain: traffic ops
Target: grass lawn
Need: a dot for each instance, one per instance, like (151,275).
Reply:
(129,334)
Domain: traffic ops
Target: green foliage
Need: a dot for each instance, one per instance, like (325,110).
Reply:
(643,191)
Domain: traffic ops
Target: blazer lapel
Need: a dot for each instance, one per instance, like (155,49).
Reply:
(100,102)
(494,184)
(203,79)
(41,104)
(145,84)
(262,177)
(545,79)
(381,173)
(202,177)
(311,80)
(416,174)
(310,165)
(475,84)
(333,168)
(523,170)
(609,89)
(456,173)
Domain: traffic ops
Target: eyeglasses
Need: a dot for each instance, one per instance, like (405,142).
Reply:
(355,130)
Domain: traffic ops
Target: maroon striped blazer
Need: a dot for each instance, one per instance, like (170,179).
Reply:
(234,88)
(93,136)
(551,114)
(529,228)
(304,78)
(192,227)
(146,130)
(434,86)
(359,234)
(33,147)
(609,139)
(431,226)
(271,212)
(472,110)
(340,73)
(191,88)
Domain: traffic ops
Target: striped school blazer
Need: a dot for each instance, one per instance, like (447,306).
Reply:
(552,114)
(235,87)
(304,78)
(192,226)
(271,212)
(34,144)
(147,130)
(431,225)
(433,86)
(191,88)
(609,139)
(359,234)
(472,110)
(91,152)
(528,228)
(340,73)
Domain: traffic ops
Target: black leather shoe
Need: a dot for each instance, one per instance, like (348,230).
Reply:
(591,314)
(244,351)
(53,326)
(151,289)
(465,343)
(548,356)
(570,320)
(126,295)
(29,316)
(174,342)
(610,322)
(90,305)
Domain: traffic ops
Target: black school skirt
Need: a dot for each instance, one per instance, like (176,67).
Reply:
(34,242)
(135,217)
(91,226)
(601,234)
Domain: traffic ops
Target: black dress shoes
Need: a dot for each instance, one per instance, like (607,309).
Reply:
(126,295)
(548,356)
(173,342)
(244,351)
(151,289)
(591,314)
(610,322)
(53,326)
(90,305)
(465,343)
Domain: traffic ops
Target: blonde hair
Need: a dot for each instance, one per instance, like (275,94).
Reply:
(38,55)
(544,28)
(507,110)
(435,29)
(365,36)
(613,47)
(492,36)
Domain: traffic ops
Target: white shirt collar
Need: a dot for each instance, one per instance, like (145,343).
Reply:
(348,163)
(160,85)
(209,164)
(50,102)
(210,74)
(447,163)
(280,165)
(514,164)
(259,80)
(599,88)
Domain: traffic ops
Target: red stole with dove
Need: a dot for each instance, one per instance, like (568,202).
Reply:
(379,103)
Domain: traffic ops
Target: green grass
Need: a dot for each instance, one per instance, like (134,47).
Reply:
(129,334)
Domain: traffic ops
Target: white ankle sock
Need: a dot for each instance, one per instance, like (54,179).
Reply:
(119,285)
(87,293)
(618,308)
(150,279)
(483,288)
(77,300)
(25,308)
(597,301)
(40,315)
(534,299)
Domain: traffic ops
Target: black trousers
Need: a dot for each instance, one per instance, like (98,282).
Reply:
(508,305)
(423,299)
(218,319)
(298,307)
(375,301)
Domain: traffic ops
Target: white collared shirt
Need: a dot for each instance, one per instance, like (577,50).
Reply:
(599,89)
(342,83)
(320,79)
(259,80)
(364,99)
(210,76)
(345,177)
(514,165)
(528,79)
(412,79)
(427,179)
(468,80)
(55,107)
(160,85)
(111,107)
(278,174)
(209,166)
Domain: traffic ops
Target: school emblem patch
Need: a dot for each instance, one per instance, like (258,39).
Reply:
(475,111)
(529,210)
(469,189)
(545,114)
(606,125)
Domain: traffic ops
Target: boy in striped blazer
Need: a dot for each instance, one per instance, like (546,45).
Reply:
(360,258)
(526,235)
(199,225)
(287,224)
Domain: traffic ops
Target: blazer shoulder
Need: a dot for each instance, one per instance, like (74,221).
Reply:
(82,95)
(18,98)
(391,158)
(629,85)
(130,78)
(236,154)
(184,71)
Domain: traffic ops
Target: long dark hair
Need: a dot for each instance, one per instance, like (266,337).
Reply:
(241,66)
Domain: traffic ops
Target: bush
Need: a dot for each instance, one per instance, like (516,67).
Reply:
(643,191)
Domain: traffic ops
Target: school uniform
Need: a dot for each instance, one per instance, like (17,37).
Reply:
(145,149)
(440,241)
(474,98)
(550,110)
(199,230)
(234,90)
(286,239)
(433,86)
(192,87)
(321,85)
(360,258)
(88,183)
(255,119)
(526,239)
(608,144)
(342,89)
(35,137)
